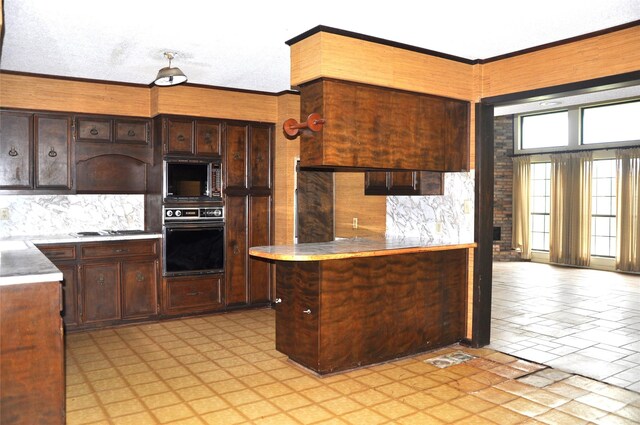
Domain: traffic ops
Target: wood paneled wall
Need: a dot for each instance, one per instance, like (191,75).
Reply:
(331,55)
(211,102)
(287,152)
(609,54)
(351,202)
(55,94)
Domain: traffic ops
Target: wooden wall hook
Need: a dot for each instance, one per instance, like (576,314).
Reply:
(314,123)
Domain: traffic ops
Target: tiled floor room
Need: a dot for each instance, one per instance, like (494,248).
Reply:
(223,369)
(576,320)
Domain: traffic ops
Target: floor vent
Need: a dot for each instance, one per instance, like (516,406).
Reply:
(450,359)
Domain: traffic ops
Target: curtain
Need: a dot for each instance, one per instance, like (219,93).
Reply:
(570,215)
(628,213)
(521,196)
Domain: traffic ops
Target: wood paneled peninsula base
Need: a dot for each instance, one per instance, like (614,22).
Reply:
(355,302)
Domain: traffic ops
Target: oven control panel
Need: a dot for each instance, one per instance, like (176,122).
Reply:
(193,214)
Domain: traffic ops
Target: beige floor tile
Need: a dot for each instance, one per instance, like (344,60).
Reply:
(85,416)
(81,402)
(321,393)
(290,401)
(279,419)
(370,397)
(503,416)
(194,392)
(244,396)
(393,409)
(448,412)
(341,405)
(472,404)
(161,400)
(112,396)
(150,388)
(526,407)
(419,418)
(172,413)
(310,414)
(123,408)
(556,417)
(208,404)
(365,417)
(258,409)
(142,418)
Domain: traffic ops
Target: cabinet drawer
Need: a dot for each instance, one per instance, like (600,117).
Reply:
(135,132)
(119,249)
(59,252)
(190,294)
(93,130)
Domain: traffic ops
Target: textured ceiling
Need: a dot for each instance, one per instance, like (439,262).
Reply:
(241,44)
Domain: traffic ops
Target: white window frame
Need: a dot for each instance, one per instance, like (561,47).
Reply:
(575,130)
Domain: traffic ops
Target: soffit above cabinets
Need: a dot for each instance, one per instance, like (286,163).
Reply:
(242,44)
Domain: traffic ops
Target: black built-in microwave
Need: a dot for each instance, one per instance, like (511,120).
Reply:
(192,180)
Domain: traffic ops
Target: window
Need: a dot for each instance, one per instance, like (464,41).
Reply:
(603,208)
(544,130)
(540,205)
(611,123)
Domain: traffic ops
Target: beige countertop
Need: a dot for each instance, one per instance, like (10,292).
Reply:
(349,248)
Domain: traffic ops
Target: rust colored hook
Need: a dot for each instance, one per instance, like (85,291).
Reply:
(314,123)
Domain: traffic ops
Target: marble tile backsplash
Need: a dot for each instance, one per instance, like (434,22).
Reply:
(61,214)
(446,219)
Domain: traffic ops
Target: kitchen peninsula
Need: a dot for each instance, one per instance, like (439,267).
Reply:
(353,302)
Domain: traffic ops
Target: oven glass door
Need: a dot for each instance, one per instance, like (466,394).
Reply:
(193,249)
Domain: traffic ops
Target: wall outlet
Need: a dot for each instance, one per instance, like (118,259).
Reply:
(467,206)
(4,213)
(355,222)
(438,227)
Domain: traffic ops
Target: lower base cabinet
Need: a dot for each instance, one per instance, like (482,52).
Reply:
(107,283)
(32,387)
(192,294)
(336,315)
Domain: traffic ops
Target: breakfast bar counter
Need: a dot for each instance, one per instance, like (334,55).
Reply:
(354,302)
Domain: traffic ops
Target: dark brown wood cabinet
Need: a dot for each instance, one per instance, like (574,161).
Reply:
(53,151)
(35,151)
(64,257)
(248,204)
(16,135)
(339,314)
(404,183)
(373,127)
(192,137)
(192,294)
(107,283)
(100,289)
(32,387)
(113,154)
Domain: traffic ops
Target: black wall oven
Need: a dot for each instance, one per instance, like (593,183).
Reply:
(193,240)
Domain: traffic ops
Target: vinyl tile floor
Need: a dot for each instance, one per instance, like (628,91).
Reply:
(577,320)
(224,369)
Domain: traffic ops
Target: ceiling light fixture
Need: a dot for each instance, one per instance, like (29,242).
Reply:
(170,76)
(550,103)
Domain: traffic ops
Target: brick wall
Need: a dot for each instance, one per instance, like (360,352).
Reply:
(503,188)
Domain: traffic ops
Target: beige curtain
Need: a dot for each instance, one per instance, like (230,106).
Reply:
(570,215)
(628,214)
(521,196)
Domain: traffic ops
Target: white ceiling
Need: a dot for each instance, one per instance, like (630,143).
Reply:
(241,44)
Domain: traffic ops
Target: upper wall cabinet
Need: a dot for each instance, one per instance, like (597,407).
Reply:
(187,136)
(113,154)
(35,151)
(381,128)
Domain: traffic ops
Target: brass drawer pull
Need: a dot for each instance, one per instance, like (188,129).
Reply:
(193,294)
(139,277)
(131,133)
(94,131)
(121,250)
(13,151)
(52,153)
